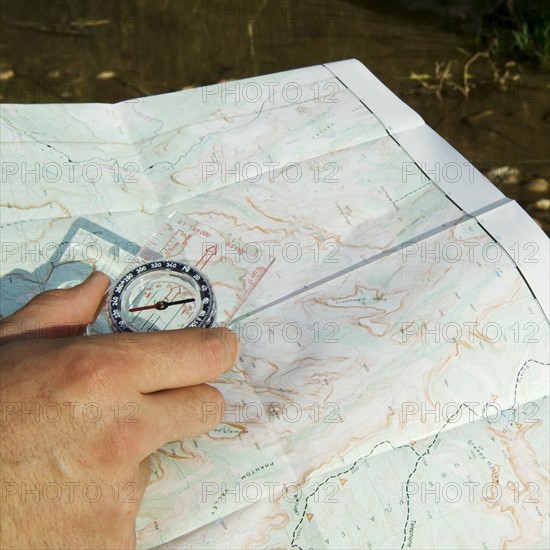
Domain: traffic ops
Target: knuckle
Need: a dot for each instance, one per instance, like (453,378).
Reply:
(90,368)
(48,296)
(48,299)
(120,442)
(95,374)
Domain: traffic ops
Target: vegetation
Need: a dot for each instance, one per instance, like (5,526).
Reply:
(517,29)
(534,43)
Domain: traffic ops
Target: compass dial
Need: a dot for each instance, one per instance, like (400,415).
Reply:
(161,295)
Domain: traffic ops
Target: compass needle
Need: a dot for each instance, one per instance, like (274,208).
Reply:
(136,291)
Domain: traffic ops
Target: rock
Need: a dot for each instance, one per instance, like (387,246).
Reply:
(538,185)
(542,204)
(6,74)
(105,75)
(504,175)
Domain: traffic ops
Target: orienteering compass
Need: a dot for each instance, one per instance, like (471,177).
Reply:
(161,295)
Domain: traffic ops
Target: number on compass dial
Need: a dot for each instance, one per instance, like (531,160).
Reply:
(161,295)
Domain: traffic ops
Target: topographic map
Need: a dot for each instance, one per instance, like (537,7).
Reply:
(392,388)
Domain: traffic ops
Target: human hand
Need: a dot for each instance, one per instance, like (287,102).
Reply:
(81,415)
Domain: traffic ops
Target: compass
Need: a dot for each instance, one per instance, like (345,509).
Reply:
(161,295)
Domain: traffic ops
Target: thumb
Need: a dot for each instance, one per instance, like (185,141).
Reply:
(57,313)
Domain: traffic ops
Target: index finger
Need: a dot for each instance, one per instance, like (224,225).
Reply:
(154,361)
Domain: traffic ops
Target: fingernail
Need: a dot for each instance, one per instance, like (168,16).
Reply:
(234,345)
(229,339)
(100,277)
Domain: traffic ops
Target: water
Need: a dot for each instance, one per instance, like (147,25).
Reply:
(110,50)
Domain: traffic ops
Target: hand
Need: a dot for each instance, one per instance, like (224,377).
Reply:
(81,415)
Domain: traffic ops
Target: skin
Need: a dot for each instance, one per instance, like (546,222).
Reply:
(81,416)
